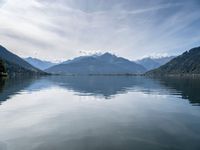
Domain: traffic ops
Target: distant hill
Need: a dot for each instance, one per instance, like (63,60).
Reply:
(153,63)
(16,65)
(41,64)
(187,63)
(97,64)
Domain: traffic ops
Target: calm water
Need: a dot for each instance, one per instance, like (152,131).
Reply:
(99,113)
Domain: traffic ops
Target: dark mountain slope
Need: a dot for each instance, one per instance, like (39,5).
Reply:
(187,63)
(2,69)
(16,65)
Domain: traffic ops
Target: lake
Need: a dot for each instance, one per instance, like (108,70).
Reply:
(99,113)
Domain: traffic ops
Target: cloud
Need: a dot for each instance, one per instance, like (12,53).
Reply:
(156,8)
(130,28)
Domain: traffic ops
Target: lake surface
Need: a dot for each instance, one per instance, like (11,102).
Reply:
(99,113)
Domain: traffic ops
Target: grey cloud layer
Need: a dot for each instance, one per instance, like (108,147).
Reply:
(131,28)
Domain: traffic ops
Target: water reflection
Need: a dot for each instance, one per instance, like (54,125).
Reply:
(106,86)
(9,87)
(59,113)
(189,88)
(2,83)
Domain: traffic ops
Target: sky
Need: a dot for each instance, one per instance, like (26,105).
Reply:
(58,30)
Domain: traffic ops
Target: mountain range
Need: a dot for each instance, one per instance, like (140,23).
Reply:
(103,64)
(148,63)
(16,65)
(97,64)
(187,63)
(152,63)
(41,64)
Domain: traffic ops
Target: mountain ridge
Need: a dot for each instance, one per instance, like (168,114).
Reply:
(152,63)
(38,63)
(99,64)
(16,65)
(186,64)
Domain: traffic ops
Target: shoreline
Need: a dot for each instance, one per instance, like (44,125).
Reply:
(185,75)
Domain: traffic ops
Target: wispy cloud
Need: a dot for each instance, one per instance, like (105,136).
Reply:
(155,8)
(61,29)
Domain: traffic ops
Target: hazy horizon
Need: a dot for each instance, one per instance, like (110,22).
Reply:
(64,29)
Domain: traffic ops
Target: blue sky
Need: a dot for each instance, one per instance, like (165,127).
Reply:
(63,29)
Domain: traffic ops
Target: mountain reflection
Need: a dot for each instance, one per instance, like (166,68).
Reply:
(2,83)
(189,88)
(10,87)
(105,86)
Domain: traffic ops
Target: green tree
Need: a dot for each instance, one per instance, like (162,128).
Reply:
(2,67)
